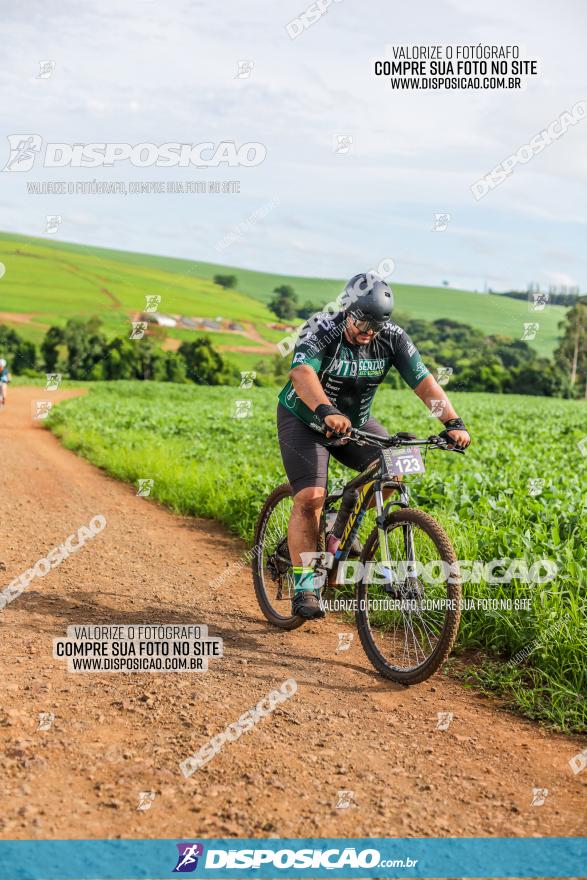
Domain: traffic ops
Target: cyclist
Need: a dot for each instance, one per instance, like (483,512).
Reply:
(338,363)
(4,380)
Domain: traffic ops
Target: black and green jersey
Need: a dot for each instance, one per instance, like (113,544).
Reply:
(350,373)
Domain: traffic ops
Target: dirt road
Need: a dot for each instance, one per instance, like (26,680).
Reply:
(116,735)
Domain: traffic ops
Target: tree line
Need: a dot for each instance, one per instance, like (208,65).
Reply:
(553,297)
(480,362)
(477,362)
(81,350)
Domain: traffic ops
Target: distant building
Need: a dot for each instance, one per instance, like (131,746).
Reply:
(160,319)
(210,325)
(189,323)
(233,326)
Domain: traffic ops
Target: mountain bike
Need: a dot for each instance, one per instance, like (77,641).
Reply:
(406,587)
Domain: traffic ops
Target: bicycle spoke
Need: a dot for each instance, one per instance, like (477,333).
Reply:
(274,555)
(406,630)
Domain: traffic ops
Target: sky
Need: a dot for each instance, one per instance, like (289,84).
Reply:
(150,72)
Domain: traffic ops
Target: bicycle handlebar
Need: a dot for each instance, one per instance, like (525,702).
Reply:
(436,441)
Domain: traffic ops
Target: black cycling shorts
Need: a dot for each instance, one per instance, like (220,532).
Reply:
(306,453)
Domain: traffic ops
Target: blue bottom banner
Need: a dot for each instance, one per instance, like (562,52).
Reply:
(545,857)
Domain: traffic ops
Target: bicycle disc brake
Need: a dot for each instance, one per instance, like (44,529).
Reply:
(411,588)
(279,561)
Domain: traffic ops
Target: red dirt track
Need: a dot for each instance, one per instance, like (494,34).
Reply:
(115,734)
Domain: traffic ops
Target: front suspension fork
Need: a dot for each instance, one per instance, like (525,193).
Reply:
(410,555)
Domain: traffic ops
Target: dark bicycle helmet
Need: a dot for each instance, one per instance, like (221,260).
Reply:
(369,299)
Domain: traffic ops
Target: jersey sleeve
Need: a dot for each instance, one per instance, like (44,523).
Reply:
(312,341)
(407,360)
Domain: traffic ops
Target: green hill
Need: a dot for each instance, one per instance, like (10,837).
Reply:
(48,281)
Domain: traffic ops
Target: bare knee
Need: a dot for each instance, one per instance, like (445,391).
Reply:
(309,502)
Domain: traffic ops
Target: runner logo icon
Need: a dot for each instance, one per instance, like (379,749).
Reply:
(23,150)
(187,859)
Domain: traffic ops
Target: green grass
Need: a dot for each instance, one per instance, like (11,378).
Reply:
(56,280)
(205,462)
(55,283)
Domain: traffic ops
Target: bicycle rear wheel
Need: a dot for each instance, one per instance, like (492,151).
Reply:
(408,622)
(272,572)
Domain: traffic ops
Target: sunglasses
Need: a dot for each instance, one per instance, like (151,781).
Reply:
(363,326)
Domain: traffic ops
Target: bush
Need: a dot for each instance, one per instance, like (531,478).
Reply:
(227,281)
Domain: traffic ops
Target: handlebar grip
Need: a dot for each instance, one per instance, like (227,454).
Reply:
(444,436)
(323,429)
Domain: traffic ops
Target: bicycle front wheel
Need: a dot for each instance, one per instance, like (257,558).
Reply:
(408,611)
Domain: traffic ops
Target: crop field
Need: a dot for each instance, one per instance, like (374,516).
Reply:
(206,462)
(47,282)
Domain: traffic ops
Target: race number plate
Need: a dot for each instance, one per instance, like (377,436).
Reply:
(400,462)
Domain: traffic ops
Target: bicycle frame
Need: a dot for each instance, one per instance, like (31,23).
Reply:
(370,484)
(369,489)
(401,647)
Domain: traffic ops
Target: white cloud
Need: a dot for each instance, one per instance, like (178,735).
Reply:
(157,73)
(559,278)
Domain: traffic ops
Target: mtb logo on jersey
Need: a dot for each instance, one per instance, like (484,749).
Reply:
(187,859)
(340,367)
(356,368)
